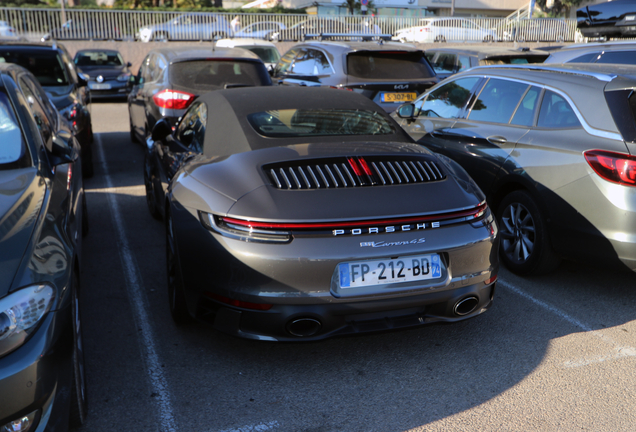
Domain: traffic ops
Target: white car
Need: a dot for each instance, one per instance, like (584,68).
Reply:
(6,31)
(267,51)
(445,29)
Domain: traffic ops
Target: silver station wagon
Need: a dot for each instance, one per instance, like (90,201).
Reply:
(553,150)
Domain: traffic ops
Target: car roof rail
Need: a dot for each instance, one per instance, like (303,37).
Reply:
(607,77)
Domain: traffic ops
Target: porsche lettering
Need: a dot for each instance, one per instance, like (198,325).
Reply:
(386,229)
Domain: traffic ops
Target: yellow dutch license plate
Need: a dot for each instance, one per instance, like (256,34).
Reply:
(399,97)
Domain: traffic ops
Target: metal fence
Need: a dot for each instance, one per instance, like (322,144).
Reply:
(146,26)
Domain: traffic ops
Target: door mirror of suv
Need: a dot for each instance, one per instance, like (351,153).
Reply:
(128,64)
(62,148)
(406,111)
(161,130)
(83,79)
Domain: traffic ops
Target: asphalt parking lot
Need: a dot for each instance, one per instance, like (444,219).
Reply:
(554,353)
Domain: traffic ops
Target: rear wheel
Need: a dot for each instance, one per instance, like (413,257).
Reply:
(160,37)
(440,39)
(525,247)
(489,38)
(176,295)
(79,400)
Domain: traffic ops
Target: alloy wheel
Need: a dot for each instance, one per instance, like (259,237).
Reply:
(517,232)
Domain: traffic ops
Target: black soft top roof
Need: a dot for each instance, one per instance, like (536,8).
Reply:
(229,132)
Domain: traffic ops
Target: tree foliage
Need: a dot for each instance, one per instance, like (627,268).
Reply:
(559,8)
(354,7)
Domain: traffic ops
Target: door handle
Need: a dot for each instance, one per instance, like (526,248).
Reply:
(497,140)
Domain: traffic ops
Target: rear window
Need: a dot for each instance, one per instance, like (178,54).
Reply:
(267,54)
(46,65)
(513,60)
(388,65)
(290,123)
(13,151)
(218,74)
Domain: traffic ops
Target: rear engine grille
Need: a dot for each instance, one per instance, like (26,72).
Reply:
(353,172)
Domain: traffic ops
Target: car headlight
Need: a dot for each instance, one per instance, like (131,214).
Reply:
(124,77)
(20,314)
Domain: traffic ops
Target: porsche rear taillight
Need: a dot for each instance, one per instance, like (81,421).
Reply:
(614,167)
(173,99)
(244,230)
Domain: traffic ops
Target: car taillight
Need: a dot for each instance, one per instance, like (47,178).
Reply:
(173,99)
(614,167)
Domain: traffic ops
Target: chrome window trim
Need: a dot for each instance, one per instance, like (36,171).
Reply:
(589,129)
(599,76)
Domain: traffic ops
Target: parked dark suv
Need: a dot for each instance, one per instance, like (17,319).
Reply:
(610,19)
(53,67)
(387,73)
(552,147)
(169,80)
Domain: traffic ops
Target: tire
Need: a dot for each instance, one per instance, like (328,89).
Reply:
(160,37)
(176,296)
(218,35)
(440,39)
(79,399)
(489,38)
(151,197)
(85,226)
(525,246)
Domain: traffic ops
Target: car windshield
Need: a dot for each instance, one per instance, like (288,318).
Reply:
(267,54)
(98,58)
(388,65)
(45,64)
(214,75)
(289,123)
(13,152)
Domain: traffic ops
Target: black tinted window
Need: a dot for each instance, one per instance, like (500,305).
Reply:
(444,63)
(46,65)
(388,65)
(13,152)
(497,101)
(556,112)
(98,58)
(448,100)
(267,54)
(214,75)
(524,116)
(585,58)
(620,57)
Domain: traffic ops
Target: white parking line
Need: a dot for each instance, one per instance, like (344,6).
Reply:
(619,351)
(262,427)
(139,304)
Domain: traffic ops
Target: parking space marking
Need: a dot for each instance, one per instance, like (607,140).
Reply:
(124,190)
(619,351)
(262,427)
(139,303)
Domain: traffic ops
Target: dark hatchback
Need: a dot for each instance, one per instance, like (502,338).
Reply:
(387,73)
(610,19)
(169,80)
(108,74)
(42,219)
(53,67)
(447,61)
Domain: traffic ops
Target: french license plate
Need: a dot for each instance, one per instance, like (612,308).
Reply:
(389,271)
(398,97)
(98,86)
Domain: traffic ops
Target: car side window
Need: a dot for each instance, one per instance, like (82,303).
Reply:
(286,61)
(146,68)
(445,62)
(39,114)
(463,62)
(158,69)
(556,113)
(41,95)
(311,62)
(497,101)
(585,58)
(524,116)
(191,130)
(448,100)
(620,57)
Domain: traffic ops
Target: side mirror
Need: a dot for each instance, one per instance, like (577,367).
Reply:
(83,79)
(161,130)
(406,111)
(128,64)
(62,149)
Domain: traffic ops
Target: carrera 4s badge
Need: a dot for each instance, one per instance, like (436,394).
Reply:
(398,243)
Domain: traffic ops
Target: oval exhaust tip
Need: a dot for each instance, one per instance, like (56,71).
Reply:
(304,327)
(466,306)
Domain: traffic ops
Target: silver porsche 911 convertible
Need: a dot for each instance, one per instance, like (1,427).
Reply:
(304,213)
